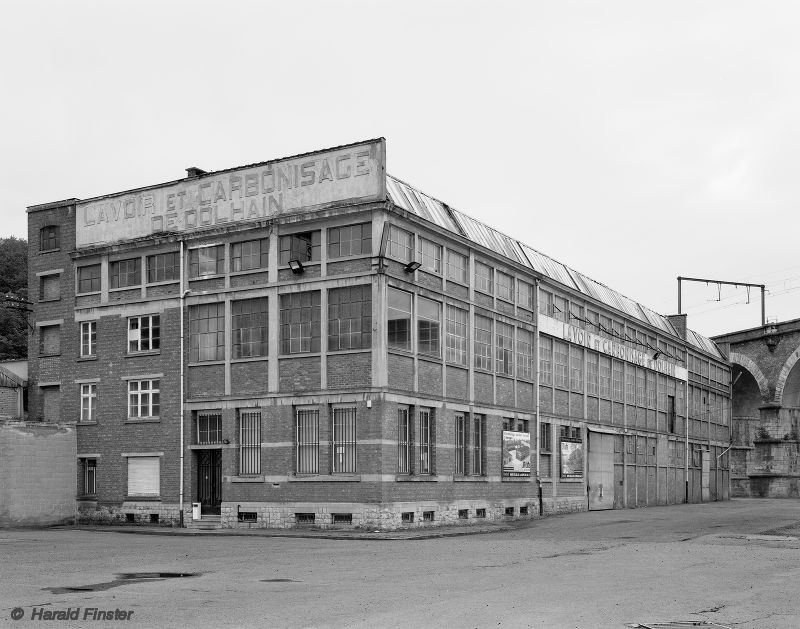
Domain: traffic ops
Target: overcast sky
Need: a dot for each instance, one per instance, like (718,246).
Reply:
(634,141)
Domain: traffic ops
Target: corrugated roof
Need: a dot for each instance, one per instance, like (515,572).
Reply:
(441,214)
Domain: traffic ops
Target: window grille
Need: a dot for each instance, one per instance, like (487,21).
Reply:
(403,442)
(90,476)
(249,442)
(477,444)
(307,441)
(343,442)
(425,444)
(209,428)
(461,445)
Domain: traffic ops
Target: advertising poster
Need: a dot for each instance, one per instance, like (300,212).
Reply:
(516,454)
(571,459)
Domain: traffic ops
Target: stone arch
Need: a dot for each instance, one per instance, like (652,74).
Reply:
(755,371)
(783,376)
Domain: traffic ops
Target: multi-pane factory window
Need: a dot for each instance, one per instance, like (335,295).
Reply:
(575,368)
(307,441)
(592,321)
(630,385)
(399,324)
(456,335)
(617,380)
(525,295)
(249,442)
(545,360)
(545,303)
(592,373)
(477,444)
(88,338)
(351,240)
(403,441)
(350,318)
(206,261)
(249,327)
(505,286)
(484,278)
(457,266)
(425,440)
(126,273)
(249,255)
(641,387)
(343,441)
(605,377)
(428,327)
(429,255)
(560,364)
(525,362)
(89,279)
(209,428)
(49,238)
(401,244)
(460,464)
(300,322)
(483,342)
(504,348)
(207,332)
(144,398)
(576,317)
(144,333)
(88,402)
(303,246)
(560,306)
(651,389)
(164,267)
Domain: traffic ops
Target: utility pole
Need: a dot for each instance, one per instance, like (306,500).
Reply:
(720,283)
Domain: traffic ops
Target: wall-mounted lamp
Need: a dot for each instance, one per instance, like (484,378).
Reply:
(225,441)
(412,266)
(296,266)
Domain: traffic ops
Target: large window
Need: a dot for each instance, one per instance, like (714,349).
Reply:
(456,335)
(484,278)
(249,255)
(209,427)
(126,273)
(343,441)
(89,279)
(144,333)
(88,338)
(525,295)
(560,358)
(545,303)
(303,246)
(164,267)
(207,261)
(630,385)
(575,368)
(307,441)
(457,267)
(525,362)
(425,441)
(545,360)
(560,306)
(399,324)
(144,398)
(605,377)
(504,348)
(428,326)
(592,373)
(401,244)
(617,380)
(249,442)
(505,286)
(350,318)
(430,255)
(352,240)
(641,387)
(403,441)
(477,444)
(49,238)
(144,475)
(300,322)
(483,343)
(88,402)
(207,332)
(249,326)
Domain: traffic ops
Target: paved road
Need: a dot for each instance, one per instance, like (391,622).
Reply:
(602,569)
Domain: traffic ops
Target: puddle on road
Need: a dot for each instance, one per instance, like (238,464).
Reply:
(279,581)
(123,578)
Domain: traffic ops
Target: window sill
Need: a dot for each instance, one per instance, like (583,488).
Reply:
(86,423)
(339,352)
(122,288)
(247,479)
(84,359)
(249,359)
(249,271)
(142,420)
(207,446)
(86,497)
(458,282)
(206,277)
(302,355)
(358,256)
(430,358)
(470,479)
(49,355)
(47,301)
(326,478)
(305,263)
(517,479)
(162,283)
(206,362)
(89,294)
(571,480)
(143,498)
(416,478)
(151,352)
(510,302)
(49,250)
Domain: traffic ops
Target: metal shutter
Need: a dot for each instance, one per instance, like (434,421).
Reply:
(143,476)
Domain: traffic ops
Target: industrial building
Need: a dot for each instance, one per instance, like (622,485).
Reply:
(310,340)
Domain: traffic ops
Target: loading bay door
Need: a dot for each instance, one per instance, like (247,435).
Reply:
(601,471)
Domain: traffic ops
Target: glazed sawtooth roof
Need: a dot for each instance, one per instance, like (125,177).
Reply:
(409,198)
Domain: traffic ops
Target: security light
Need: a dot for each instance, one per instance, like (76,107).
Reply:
(412,266)
(296,266)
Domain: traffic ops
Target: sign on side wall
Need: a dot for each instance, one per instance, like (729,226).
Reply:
(354,173)
(516,454)
(571,458)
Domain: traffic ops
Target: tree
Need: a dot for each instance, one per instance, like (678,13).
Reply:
(14,284)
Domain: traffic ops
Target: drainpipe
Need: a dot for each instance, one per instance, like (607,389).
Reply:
(536,396)
(183,299)
(686,438)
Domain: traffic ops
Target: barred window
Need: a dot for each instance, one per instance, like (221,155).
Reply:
(207,261)
(300,322)
(89,476)
(525,295)
(350,317)
(249,327)
(343,441)
(525,362)
(483,343)
(460,465)
(126,273)
(605,377)
(617,380)
(425,439)
(428,326)
(504,348)
(209,427)
(545,360)
(592,373)
(250,254)
(88,338)
(88,402)
(49,238)
(545,437)
(477,444)
(505,286)
(307,441)
(457,266)
(249,442)
(207,332)
(144,333)
(484,278)
(89,279)
(401,244)
(430,255)
(457,335)
(164,267)
(144,398)
(403,441)
(351,240)
(399,324)
(575,368)
(303,246)
(560,360)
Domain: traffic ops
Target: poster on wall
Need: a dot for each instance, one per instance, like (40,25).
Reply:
(516,454)
(571,458)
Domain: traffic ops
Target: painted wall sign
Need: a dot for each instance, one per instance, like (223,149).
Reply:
(571,458)
(312,181)
(559,329)
(516,454)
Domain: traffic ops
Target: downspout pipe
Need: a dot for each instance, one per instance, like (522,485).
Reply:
(182,420)
(536,398)
(686,440)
